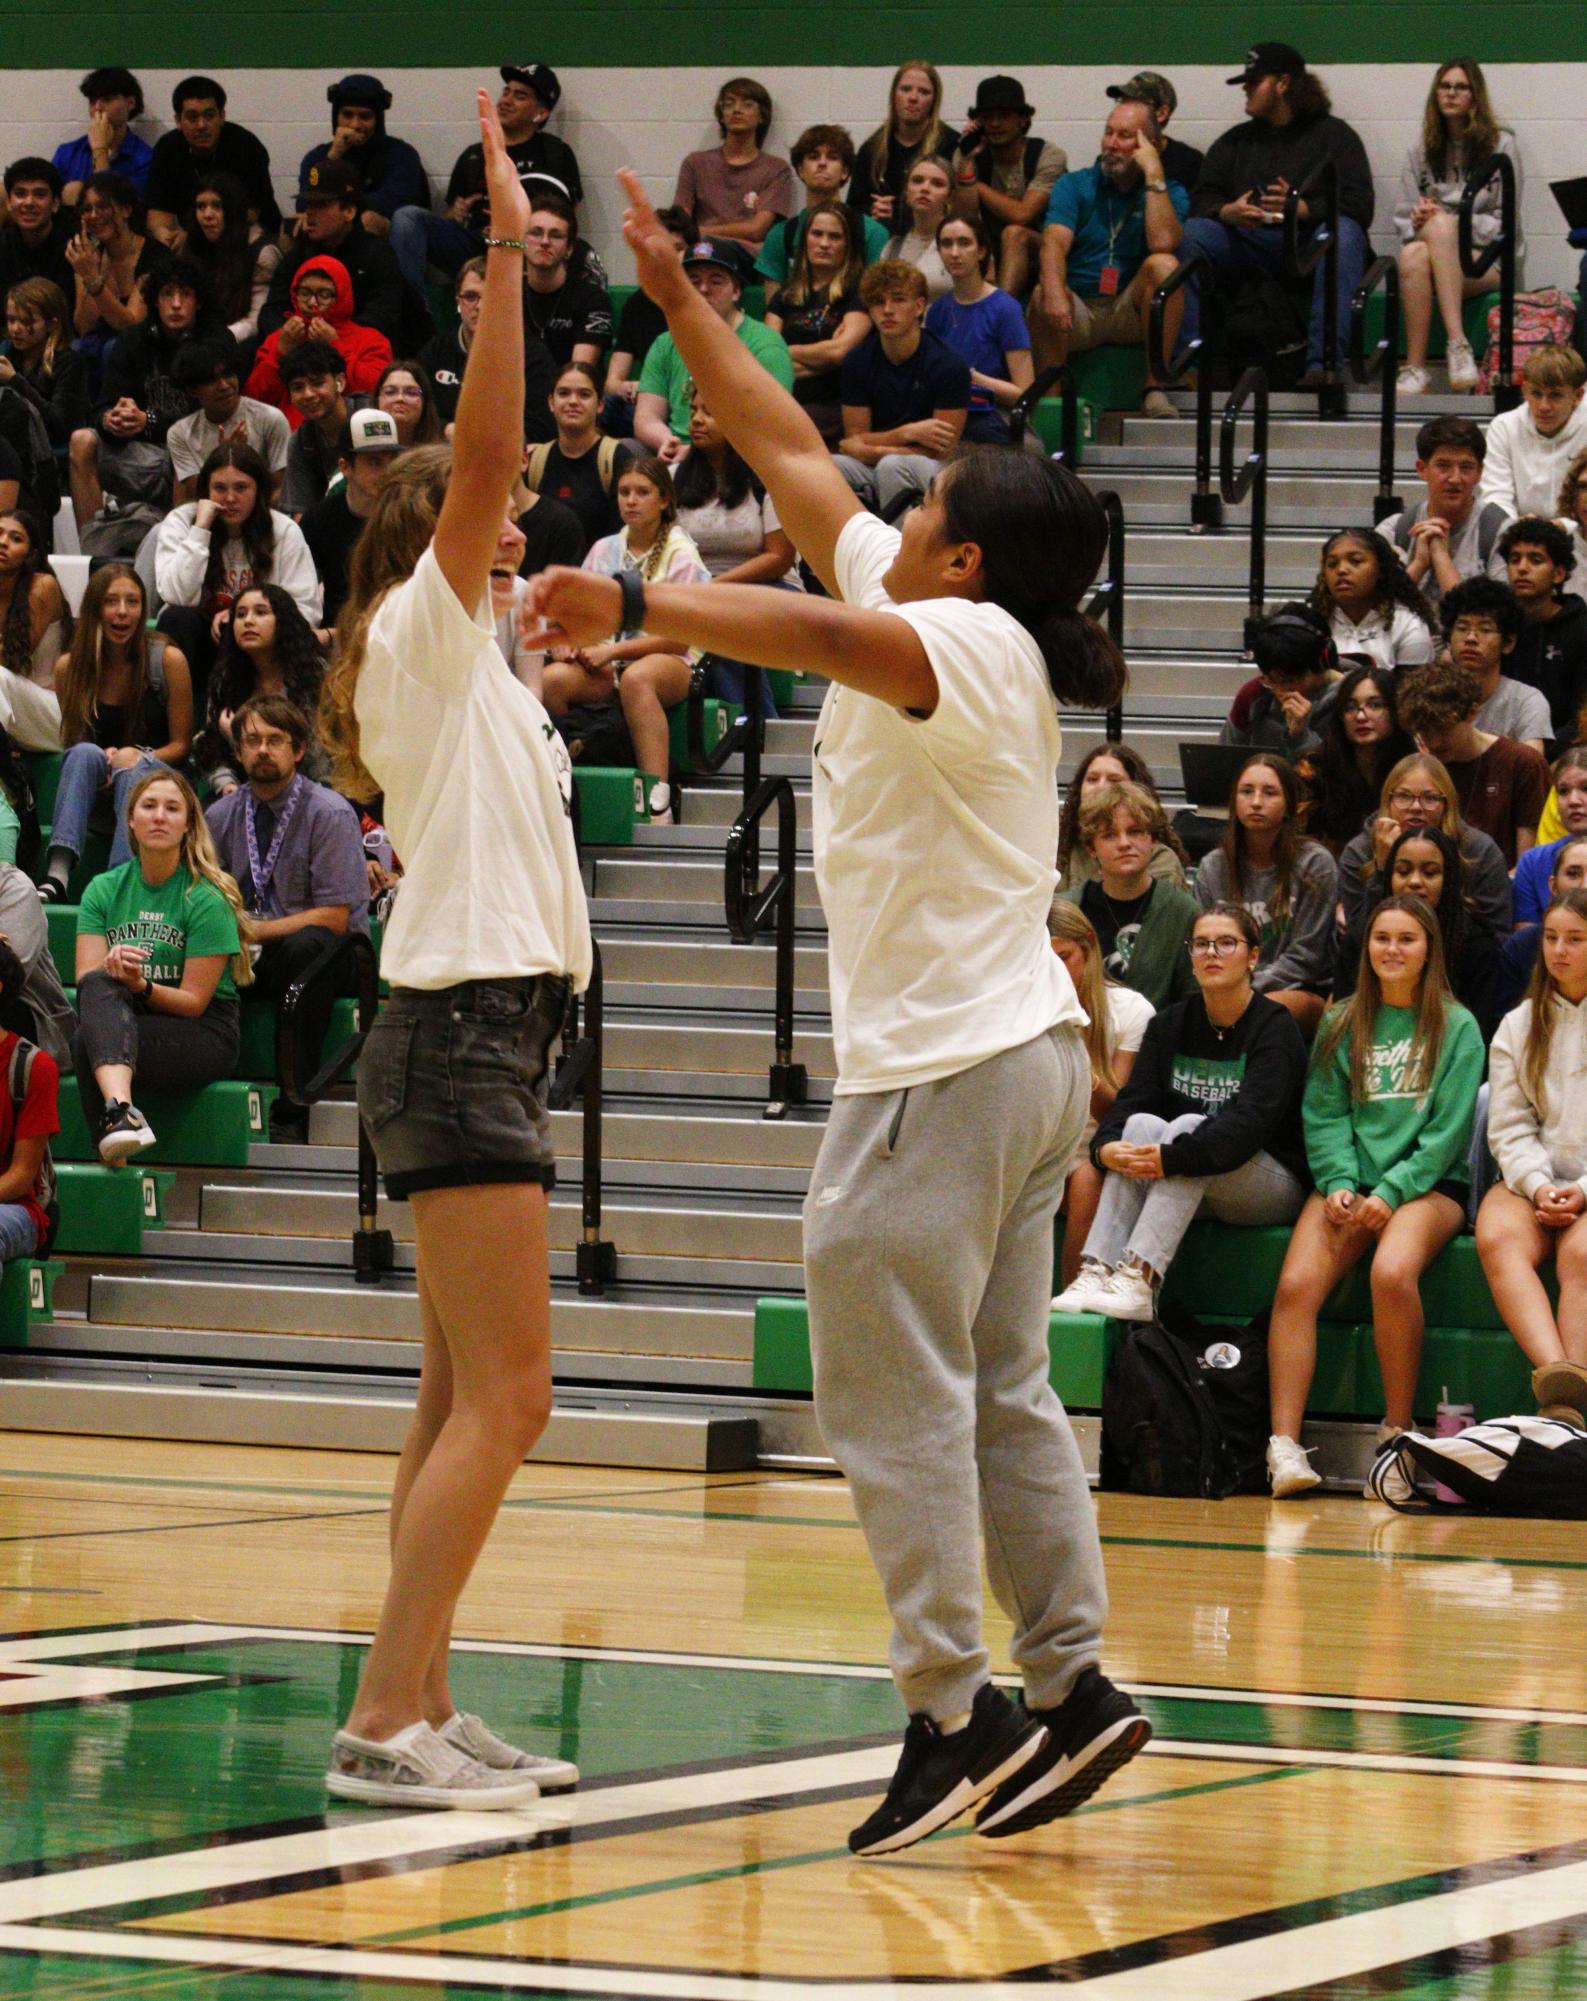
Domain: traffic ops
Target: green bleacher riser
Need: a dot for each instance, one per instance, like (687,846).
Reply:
(783,681)
(27,1293)
(613,800)
(719,719)
(211,1127)
(106,1210)
(257,1055)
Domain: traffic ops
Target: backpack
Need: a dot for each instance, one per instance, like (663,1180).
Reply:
(605,463)
(1532,1466)
(1542,319)
(1492,520)
(596,733)
(1184,1409)
(22,423)
(1264,322)
(16,781)
(19,1077)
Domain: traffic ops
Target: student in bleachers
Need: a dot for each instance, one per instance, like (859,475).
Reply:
(115,98)
(1448,535)
(34,622)
(641,324)
(579,467)
(1116,1019)
(126,701)
(233,251)
(1208,1123)
(1566,869)
(322,310)
(1482,622)
(1287,881)
(444,357)
(1425,862)
(37,1009)
(1501,785)
(983,324)
(551,533)
(565,305)
(161,954)
(1537,1132)
(208,371)
(329,226)
(390,173)
(819,313)
(1388,1112)
(333,527)
(36,231)
(719,272)
(1418,792)
(1551,647)
(1143,922)
(1286,705)
(643,670)
(1571,512)
(906,394)
(38,359)
(1459,129)
(928,196)
(268,649)
(110,258)
(1530,447)
(204,142)
(1113,764)
(28,1116)
(1371,605)
(1566,810)
(911,131)
(316,381)
(1005,177)
(1359,742)
(823,158)
(405,394)
(736,190)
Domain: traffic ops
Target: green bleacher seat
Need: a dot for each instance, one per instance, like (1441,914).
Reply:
(27,1294)
(1112,378)
(105,1210)
(613,800)
(210,1127)
(257,1057)
(719,719)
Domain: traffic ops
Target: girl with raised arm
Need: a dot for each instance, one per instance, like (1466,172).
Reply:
(963,1079)
(488,935)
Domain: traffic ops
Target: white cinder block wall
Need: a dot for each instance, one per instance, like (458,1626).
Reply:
(649,118)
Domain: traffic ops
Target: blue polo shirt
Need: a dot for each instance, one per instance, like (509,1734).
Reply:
(1109,226)
(74,161)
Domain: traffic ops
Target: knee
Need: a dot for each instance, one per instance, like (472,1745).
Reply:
(1396,1280)
(1143,1128)
(1570,1257)
(84,448)
(1440,228)
(1414,258)
(520,1413)
(1160,265)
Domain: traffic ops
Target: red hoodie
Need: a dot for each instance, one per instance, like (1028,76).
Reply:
(364,351)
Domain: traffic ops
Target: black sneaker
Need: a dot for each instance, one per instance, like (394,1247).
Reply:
(1090,1735)
(123,1131)
(289,1123)
(939,1777)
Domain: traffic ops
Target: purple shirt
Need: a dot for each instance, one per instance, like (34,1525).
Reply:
(322,853)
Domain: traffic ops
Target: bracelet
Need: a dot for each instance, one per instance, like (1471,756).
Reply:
(505,243)
(1157,187)
(633,614)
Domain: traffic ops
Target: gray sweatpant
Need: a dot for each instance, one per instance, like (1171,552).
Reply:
(928,1265)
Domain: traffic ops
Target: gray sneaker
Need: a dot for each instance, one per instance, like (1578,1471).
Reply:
(478,1741)
(425,1770)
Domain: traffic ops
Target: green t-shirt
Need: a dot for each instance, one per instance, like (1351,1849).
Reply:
(171,920)
(664,373)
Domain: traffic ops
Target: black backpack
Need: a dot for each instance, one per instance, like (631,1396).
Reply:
(596,733)
(16,781)
(1184,1409)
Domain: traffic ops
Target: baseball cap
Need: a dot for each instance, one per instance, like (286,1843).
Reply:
(1270,59)
(541,78)
(1000,93)
(371,431)
(724,254)
(360,88)
(328,180)
(1147,86)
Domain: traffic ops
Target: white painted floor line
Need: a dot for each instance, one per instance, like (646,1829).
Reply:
(118,1640)
(1366,1761)
(34,1686)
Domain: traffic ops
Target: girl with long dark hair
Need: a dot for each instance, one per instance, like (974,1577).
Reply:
(912,130)
(1370,604)
(963,1078)
(407,395)
(983,324)
(818,311)
(34,623)
(267,648)
(232,250)
(1362,741)
(1113,764)
(1425,862)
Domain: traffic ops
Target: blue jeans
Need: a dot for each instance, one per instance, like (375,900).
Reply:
(82,787)
(1259,253)
(19,1234)
(420,238)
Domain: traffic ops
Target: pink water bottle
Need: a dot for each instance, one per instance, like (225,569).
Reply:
(1451,1418)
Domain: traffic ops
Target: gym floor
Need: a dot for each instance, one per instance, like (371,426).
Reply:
(1369,1776)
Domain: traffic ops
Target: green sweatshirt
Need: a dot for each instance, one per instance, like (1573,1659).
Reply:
(1394,1144)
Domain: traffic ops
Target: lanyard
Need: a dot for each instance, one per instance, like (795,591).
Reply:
(264,874)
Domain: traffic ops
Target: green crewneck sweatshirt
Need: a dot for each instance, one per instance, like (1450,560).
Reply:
(1394,1144)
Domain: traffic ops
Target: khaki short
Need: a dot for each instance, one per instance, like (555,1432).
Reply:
(1114,322)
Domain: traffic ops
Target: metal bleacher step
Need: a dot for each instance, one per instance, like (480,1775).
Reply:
(1319,500)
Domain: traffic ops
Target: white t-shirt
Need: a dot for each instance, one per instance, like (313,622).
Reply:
(478,788)
(1128,1014)
(934,844)
(191,439)
(1402,641)
(727,536)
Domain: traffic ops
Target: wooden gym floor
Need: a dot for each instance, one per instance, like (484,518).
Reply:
(1369,1776)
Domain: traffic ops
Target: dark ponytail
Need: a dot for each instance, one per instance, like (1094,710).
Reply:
(1042,537)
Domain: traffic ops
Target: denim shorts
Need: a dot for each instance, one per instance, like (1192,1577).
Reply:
(452,1084)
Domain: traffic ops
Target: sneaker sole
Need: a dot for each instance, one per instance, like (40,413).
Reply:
(124,1148)
(964,1796)
(1065,1787)
(479,1799)
(1295,1485)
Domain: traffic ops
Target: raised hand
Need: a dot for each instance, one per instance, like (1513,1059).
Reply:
(509,203)
(659,267)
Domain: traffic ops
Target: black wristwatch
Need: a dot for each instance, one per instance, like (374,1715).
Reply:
(633,590)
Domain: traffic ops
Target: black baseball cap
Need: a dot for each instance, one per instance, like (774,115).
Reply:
(541,78)
(1000,93)
(724,254)
(328,180)
(1270,59)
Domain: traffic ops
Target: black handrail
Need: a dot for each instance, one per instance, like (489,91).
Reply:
(580,1069)
(1251,479)
(1107,600)
(746,733)
(302,1083)
(1206,506)
(1323,182)
(1060,377)
(1500,251)
(1384,363)
(749,903)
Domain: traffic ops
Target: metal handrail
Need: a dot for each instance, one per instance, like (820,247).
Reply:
(1107,600)
(1500,251)
(1383,363)
(1060,377)
(749,903)
(580,1069)
(1323,249)
(1251,479)
(303,1084)
(1206,506)
(746,733)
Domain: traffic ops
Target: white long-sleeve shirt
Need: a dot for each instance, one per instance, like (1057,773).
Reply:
(1540,1145)
(1524,471)
(181,560)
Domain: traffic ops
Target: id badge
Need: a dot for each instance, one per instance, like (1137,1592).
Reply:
(1108,281)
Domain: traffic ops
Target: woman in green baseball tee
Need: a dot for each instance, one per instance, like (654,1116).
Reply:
(1387,1112)
(160,957)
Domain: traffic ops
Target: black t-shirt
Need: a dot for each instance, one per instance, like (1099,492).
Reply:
(19,260)
(933,378)
(577,484)
(900,159)
(552,534)
(641,323)
(444,358)
(816,319)
(1109,916)
(1181,163)
(331,529)
(578,311)
(1551,655)
(538,158)
(174,172)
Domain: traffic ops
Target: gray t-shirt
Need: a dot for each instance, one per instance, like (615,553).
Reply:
(1514,709)
(321,860)
(1473,547)
(1301,953)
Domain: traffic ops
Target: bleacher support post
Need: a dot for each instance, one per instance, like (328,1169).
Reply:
(1107,601)
(1320,191)
(1500,251)
(1384,363)
(1251,479)
(580,1069)
(748,905)
(1206,506)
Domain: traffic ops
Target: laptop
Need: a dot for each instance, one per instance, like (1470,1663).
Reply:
(1572,199)
(1208,771)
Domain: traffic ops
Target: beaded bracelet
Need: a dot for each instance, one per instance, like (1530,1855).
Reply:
(504,243)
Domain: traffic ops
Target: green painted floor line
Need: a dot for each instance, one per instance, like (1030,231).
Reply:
(734,1870)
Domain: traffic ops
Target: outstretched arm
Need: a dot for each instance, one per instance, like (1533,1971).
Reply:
(760,419)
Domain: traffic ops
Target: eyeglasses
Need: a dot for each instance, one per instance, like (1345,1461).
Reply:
(546,235)
(1216,948)
(1455,89)
(1431,800)
(1374,705)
